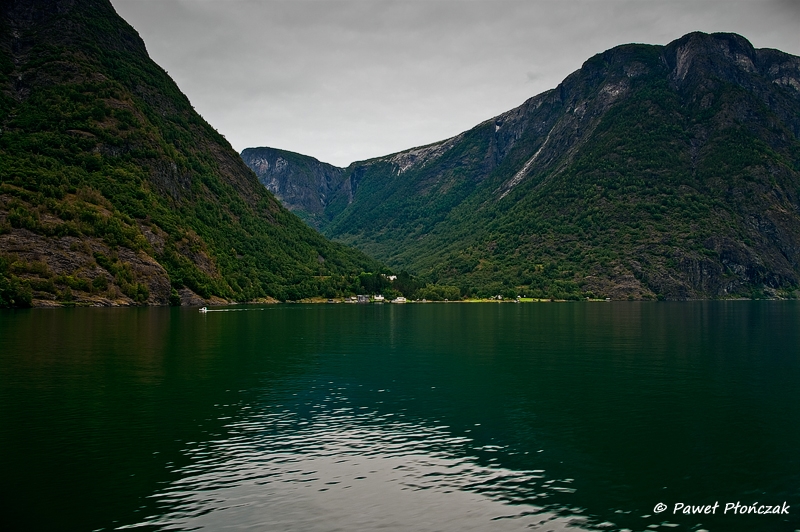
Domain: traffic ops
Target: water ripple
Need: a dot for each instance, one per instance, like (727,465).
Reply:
(344,468)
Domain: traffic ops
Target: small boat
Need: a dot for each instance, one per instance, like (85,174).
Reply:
(204,309)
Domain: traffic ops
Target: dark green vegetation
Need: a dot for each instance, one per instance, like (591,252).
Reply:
(113,190)
(652,172)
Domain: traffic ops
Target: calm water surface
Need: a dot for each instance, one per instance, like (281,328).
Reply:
(446,417)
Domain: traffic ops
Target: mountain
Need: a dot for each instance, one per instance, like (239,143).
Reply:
(114,191)
(302,183)
(652,172)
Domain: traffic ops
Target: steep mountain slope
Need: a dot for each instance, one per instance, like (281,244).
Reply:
(653,171)
(302,183)
(113,190)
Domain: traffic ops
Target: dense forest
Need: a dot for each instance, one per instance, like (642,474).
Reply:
(114,191)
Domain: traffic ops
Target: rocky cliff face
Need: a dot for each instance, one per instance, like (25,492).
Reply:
(653,171)
(113,191)
(302,184)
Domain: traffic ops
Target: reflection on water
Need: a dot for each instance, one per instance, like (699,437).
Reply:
(416,417)
(349,469)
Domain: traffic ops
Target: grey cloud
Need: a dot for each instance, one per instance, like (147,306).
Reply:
(343,80)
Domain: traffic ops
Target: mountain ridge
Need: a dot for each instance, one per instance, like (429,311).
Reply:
(114,191)
(701,104)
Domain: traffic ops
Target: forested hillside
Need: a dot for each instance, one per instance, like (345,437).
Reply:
(113,190)
(652,172)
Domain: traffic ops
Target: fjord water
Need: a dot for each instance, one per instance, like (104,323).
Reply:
(576,416)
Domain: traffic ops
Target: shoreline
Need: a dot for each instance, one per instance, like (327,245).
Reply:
(217,302)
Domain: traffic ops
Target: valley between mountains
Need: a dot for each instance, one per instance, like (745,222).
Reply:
(653,172)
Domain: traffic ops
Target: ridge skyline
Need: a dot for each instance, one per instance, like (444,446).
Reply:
(653,171)
(444,140)
(347,80)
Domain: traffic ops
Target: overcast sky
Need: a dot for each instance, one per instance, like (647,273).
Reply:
(345,80)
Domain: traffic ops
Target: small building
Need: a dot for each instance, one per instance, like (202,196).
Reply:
(379,299)
(362,298)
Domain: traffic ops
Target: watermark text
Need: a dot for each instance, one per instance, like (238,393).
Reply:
(730,508)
